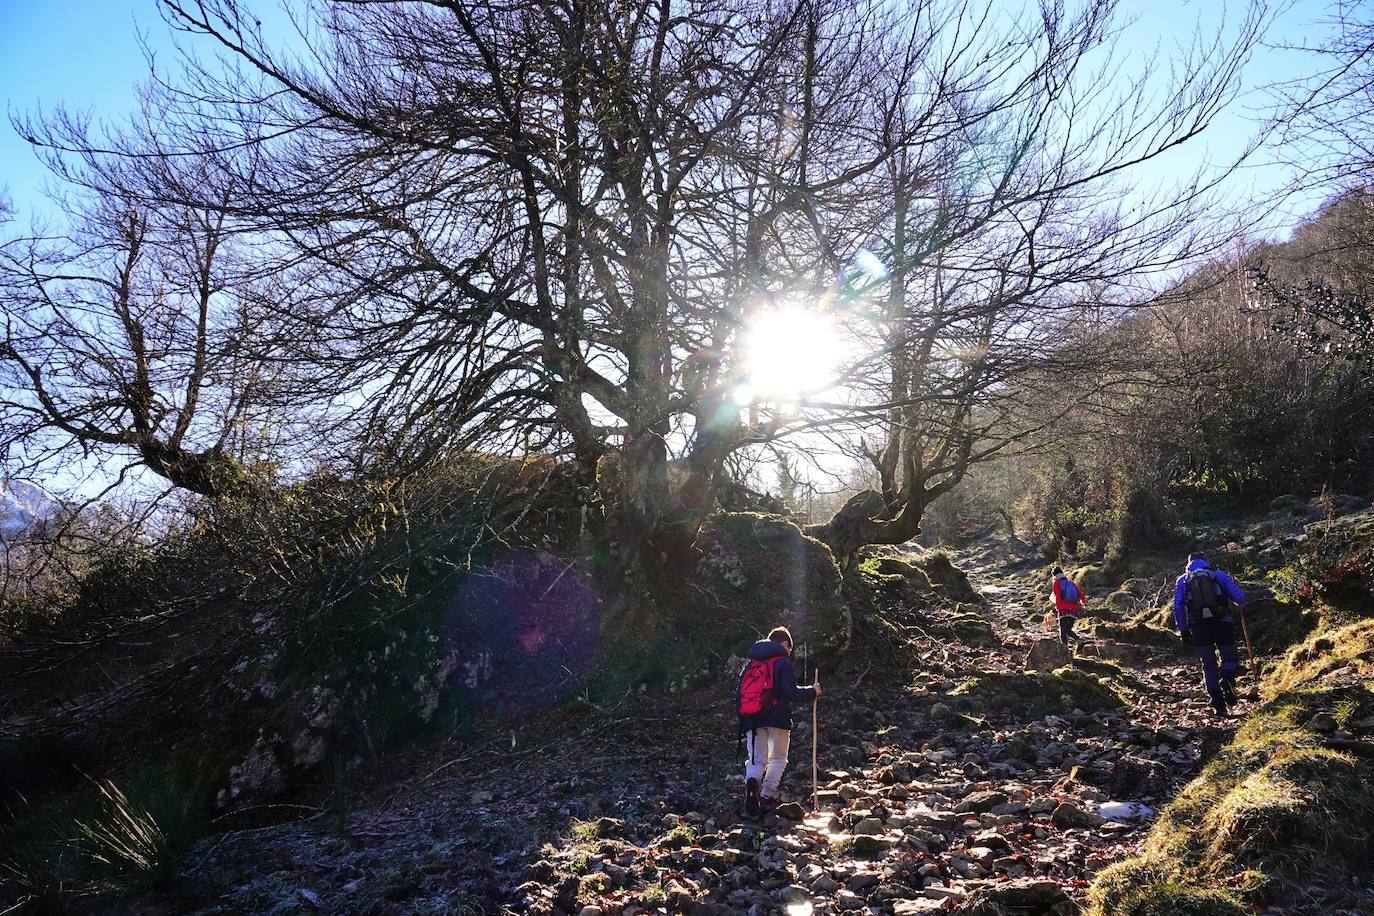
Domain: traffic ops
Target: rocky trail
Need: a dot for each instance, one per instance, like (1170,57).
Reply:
(991,777)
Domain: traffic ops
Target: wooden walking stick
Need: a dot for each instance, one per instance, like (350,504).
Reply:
(1246,630)
(815,785)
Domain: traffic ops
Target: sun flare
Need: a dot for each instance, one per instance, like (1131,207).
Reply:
(790,352)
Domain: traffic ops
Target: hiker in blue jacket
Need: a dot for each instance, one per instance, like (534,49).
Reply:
(1204,604)
(769,730)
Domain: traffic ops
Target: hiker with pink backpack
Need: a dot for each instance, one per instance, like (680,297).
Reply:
(767,689)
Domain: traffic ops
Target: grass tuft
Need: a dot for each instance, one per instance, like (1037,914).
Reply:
(585,831)
(124,836)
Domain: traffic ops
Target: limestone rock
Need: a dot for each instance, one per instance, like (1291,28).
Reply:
(1070,815)
(1047,654)
(978,802)
(865,845)
(1321,722)
(1027,893)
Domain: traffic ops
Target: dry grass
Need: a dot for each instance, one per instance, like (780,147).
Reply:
(1348,649)
(124,836)
(1274,812)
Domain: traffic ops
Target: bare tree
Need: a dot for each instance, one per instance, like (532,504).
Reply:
(132,336)
(545,226)
(1012,248)
(1317,288)
(1323,127)
(1324,122)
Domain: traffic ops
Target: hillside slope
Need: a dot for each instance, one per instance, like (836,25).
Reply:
(967,765)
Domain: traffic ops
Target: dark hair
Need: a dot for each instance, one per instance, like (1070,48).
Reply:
(1056,571)
(780,634)
(1197,556)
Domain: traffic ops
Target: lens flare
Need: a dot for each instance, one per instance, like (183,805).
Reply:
(791,351)
(871,265)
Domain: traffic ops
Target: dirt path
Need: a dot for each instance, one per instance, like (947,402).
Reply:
(971,783)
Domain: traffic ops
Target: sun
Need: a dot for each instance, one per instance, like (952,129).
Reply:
(790,352)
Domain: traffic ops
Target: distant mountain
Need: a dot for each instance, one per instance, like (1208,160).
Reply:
(22,506)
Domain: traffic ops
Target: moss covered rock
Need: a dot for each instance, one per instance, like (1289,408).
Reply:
(757,571)
(951,581)
(1344,653)
(1059,691)
(1278,810)
(1121,602)
(789,578)
(1092,577)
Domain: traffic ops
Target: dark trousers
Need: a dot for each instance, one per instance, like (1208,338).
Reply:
(1213,638)
(1066,629)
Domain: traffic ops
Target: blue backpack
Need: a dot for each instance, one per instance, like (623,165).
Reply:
(1068,592)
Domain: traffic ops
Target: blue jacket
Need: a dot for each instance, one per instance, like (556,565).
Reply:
(1228,585)
(784,687)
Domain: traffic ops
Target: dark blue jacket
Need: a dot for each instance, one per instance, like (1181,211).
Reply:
(1228,585)
(784,687)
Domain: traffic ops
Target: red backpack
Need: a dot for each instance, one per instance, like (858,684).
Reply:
(756,694)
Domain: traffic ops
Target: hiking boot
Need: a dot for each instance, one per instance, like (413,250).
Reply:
(1228,691)
(751,797)
(1218,703)
(768,803)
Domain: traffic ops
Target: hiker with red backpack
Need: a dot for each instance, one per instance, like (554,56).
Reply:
(1204,603)
(1068,604)
(767,689)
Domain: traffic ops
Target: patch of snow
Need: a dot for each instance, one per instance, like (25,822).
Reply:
(1125,811)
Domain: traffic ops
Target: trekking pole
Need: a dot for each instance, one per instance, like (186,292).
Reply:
(1246,631)
(815,785)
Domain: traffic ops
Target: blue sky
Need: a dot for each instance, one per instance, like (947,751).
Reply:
(86,54)
(83,53)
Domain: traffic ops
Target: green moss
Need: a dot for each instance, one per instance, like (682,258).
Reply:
(1129,889)
(593,887)
(1073,688)
(891,576)
(1059,691)
(1099,667)
(679,836)
(653,896)
(1121,601)
(1274,811)
(1090,577)
(1349,647)
(585,831)
(870,566)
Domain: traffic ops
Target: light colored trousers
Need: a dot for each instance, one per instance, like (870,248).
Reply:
(767,749)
